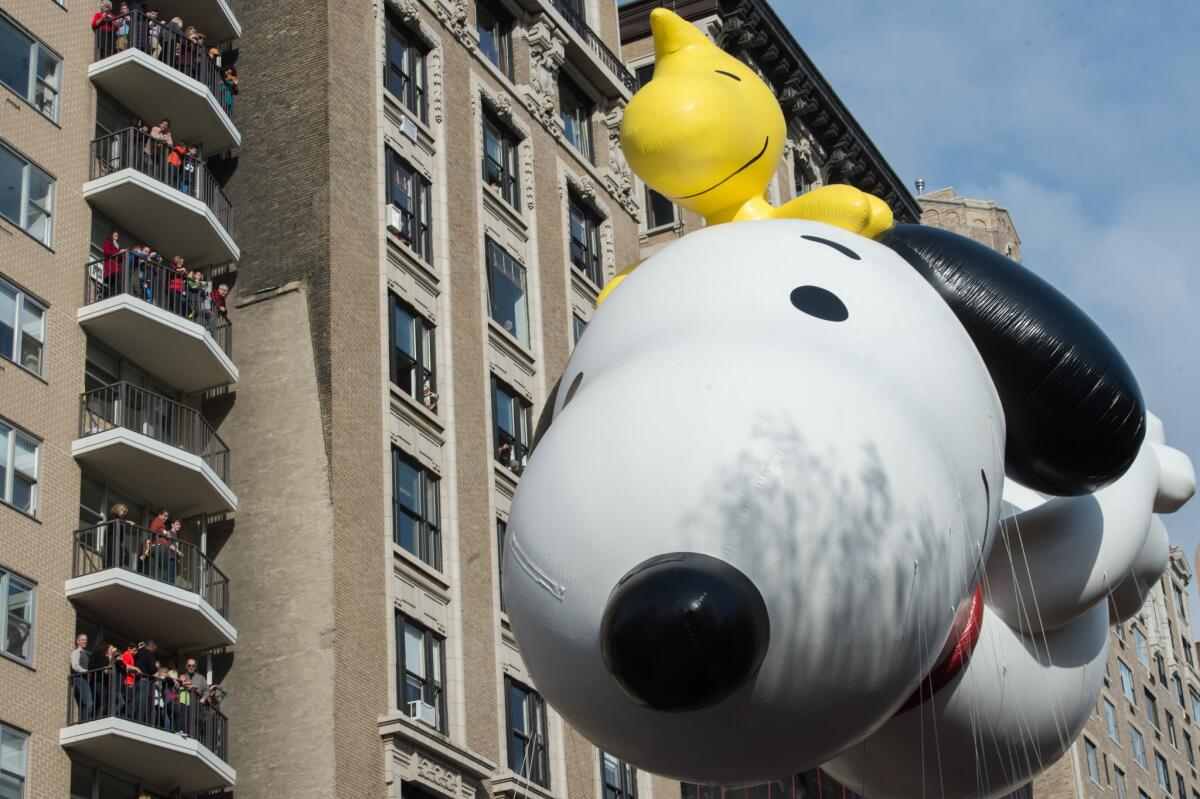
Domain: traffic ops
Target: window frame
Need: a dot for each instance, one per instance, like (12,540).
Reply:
(428,535)
(27,171)
(497,258)
(535,717)
(1120,781)
(422,364)
(9,433)
(9,731)
(501,539)
(33,81)
(502,35)
(1092,760)
(1110,721)
(7,577)
(579,116)
(1178,685)
(652,222)
(1141,647)
(626,778)
(419,211)
(590,263)
(578,326)
(433,690)
(22,298)
(1150,702)
(1187,745)
(507,178)
(521,412)
(1137,745)
(1128,687)
(411,71)
(1162,770)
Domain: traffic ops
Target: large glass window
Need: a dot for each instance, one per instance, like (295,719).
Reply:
(495,34)
(14,762)
(1110,718)
(1163,772)
(1171,728)
(416,510)
(420,670)
(409,192)
(412,365)
(578,325)
(1093,764)
(1126,682)
(1120,782)
(1195,706)
(660,212)
(500,163)
(1151,706)
(1139,746)
(526,712)
(585,239)
(19,456)
(506,292)
(16,610)
(1178,683)
(1143,652)
(643,74)
(405,76)
(1187,747)
(22,327)
(29,69)
(1188,654)
(512,416)
(501,534)
(26,195)
(620,779)
(575,113)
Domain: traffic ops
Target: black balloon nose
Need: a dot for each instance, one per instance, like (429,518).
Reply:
(683,631)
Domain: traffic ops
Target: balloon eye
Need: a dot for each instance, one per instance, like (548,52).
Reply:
(820,303)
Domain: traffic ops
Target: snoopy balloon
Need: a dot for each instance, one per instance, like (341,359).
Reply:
(803,495)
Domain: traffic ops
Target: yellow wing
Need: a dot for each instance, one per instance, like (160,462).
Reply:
(841,206)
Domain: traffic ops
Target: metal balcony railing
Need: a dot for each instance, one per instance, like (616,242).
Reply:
(599,48)
(117,544)
(160,284)
(164,704)
(132,149)
(134,408)
(163,42)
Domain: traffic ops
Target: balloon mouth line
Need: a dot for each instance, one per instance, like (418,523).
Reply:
(730,176)
(964,635)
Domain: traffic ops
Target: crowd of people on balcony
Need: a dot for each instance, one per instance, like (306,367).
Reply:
(182,47)
(142,272)
(141,684)
(155,553)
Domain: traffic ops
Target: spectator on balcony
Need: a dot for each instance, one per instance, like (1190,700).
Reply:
(145,663)
(125,675)
(121,24)
(429,397)
(198,290)
(229,89)
(175,153)
(161,553)
(81,660)
(118,532)
(158,146)
(103,23)
(190,156)
(193,693)
(218,299)
(153,34)
(166,698)
(112,264)
(176,286)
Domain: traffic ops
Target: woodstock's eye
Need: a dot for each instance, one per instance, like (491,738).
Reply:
(727,74)
(819,302)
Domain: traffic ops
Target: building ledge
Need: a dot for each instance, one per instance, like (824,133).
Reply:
(397,724)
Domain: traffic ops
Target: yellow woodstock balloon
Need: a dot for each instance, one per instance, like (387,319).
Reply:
(707,133)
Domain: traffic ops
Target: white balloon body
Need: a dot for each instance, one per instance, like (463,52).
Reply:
(850,469)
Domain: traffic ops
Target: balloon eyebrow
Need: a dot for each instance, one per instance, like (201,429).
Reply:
(842,248)
(727,74)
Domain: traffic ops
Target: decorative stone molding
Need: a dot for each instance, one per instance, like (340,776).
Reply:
(620,176)
(547,52)
(433,74)
(528,178)
(408,11)
(453,16)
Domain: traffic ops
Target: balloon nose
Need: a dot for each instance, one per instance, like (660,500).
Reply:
(683,631)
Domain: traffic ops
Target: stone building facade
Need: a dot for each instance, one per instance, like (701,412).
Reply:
(982,220)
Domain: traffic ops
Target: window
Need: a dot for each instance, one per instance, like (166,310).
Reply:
(495,35)
(1161,664)
(16,607)
(1126,681)
(501,534)
(526,712)
(1142,794)
(29,69)
(405,75)
(575,113)
(1120,783)
(1093,767)
(512,426)
(1151,707)
(1187,748)
(1180,600)
(620,779)
(26,195)
(14,757)
(408,192)
(1188,654)
(420,669)
(1120,628)
(18,468)
(577,327)
(1139,746)
(1143,654)
(1181,784)
(799,176)
(1178,684)
(22,328)
(585,240)
(660,212)
(415,510)
(1110,718)
(1164,773)
(1171,729)
(411,364)
(506,292)
(1195,706)
(500,164)
(643,74)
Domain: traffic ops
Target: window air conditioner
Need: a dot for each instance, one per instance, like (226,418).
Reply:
(423,712)
(394,223)
(408,129)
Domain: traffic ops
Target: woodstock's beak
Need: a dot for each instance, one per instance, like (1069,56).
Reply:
(672,33)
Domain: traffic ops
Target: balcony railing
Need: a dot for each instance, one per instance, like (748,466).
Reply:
(575,20)
(172,423)
(161,285)
(116,544)
(163,42)
(114,693)
(133,149)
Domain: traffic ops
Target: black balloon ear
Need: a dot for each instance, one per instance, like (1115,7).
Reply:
(1073,410)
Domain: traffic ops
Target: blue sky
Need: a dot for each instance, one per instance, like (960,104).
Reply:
(1082,119)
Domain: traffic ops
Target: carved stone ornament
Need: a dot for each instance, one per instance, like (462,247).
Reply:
(453,16)
(501,106)
(438,775)
(620,176)
(407,10)
(434,75)
(547,51)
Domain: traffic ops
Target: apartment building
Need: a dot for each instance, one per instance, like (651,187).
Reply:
(106,357)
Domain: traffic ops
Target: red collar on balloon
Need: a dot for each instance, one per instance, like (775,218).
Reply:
(964,635)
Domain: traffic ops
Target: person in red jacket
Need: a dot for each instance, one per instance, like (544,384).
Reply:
(103,23)
(114,265)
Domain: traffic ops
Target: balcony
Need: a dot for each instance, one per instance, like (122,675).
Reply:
(214,18)
(164,450)
(159,319)
(570,12)
(155,71)
(163,587)
(180,207)
(165,743)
